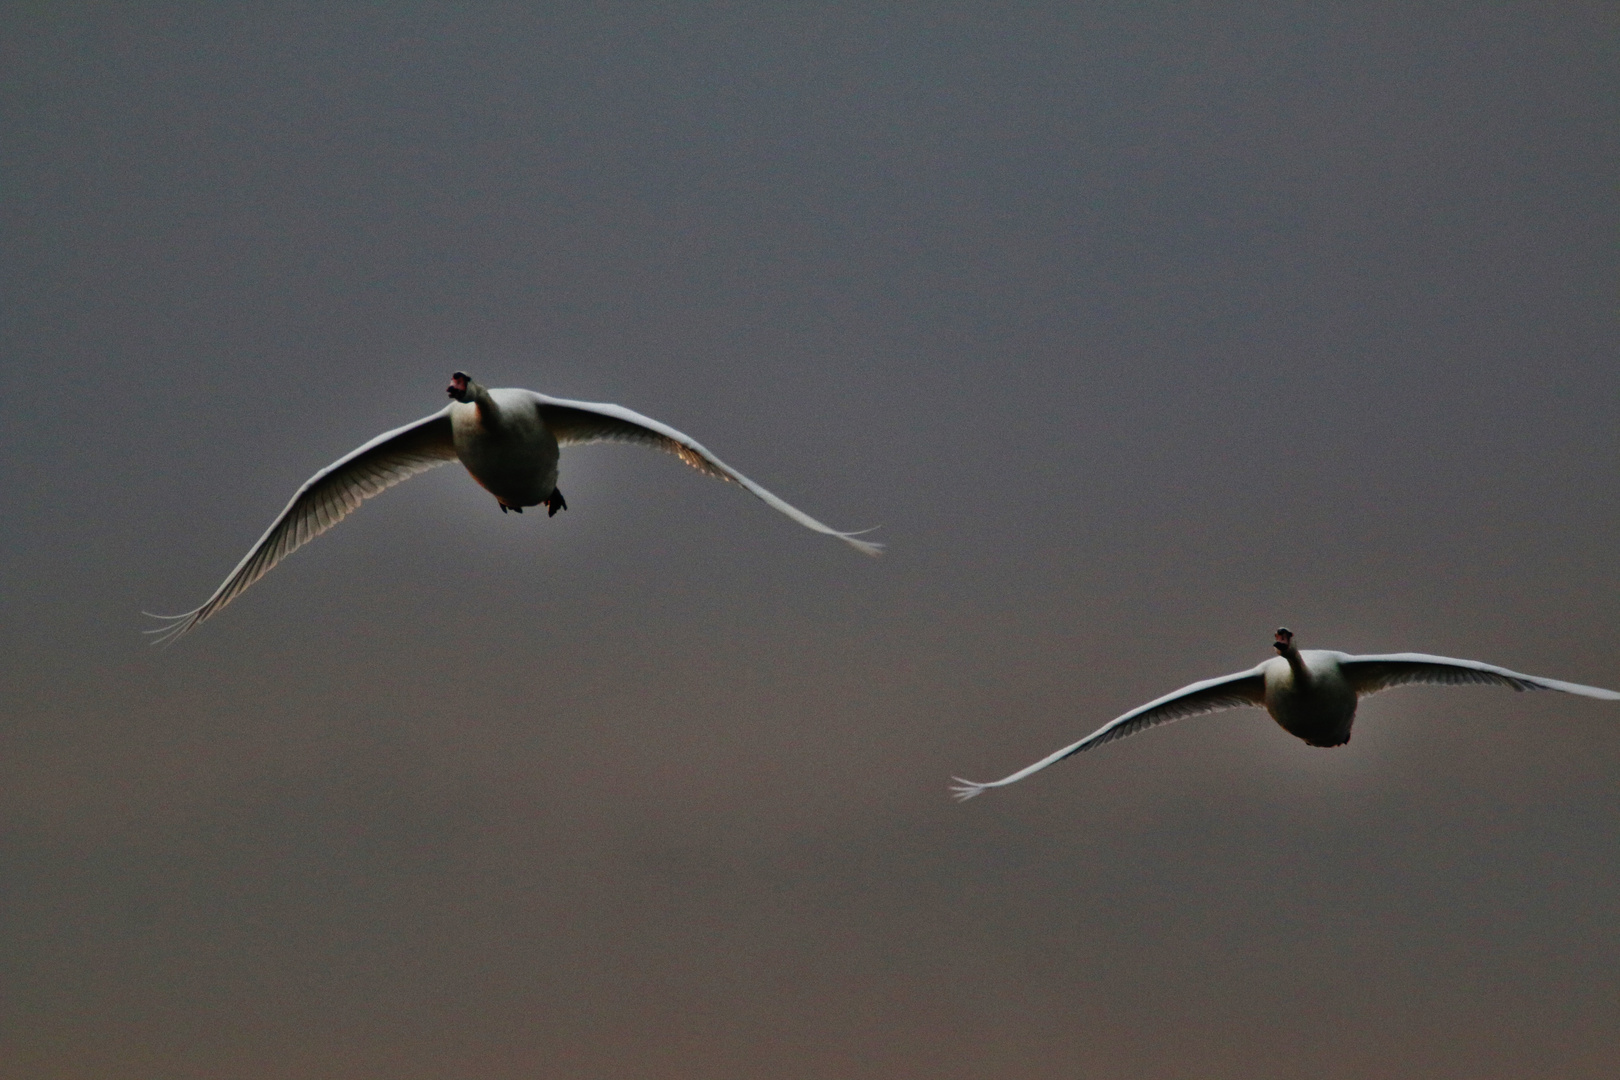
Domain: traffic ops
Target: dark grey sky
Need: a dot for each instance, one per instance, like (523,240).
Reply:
(1141,328)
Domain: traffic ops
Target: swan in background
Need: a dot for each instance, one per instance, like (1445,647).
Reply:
(1312,693)
(509,442)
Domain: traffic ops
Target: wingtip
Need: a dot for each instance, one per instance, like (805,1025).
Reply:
(963,790)
(866,547)
(176,627)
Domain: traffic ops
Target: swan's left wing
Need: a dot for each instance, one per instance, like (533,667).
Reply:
(1212,695)
(576,423)
(1370,674)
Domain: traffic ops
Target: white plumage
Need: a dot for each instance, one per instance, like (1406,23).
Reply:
(509,442)
(1311,693)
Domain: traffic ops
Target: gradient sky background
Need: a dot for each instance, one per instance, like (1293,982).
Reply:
(1140,328)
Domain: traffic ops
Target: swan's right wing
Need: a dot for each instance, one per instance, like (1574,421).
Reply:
(1370,674)
(576,423)
(1212,695)
(325,499)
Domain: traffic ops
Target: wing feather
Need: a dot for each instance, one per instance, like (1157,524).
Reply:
(1235,691)
(1370,674)
(326,499)
(578,423)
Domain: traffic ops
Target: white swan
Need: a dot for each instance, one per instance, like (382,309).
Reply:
(509,442)
(1311,693)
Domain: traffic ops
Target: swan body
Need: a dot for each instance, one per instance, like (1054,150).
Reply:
(1307,693)
(507,447)
(508,440)
(1311,693)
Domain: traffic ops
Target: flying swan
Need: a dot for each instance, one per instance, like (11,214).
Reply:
(1311,693)
(507,439)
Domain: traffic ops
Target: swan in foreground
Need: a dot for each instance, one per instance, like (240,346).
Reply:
(1312,693)
(507,439)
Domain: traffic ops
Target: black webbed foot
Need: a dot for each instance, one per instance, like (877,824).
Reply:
(514,509)
(555,503)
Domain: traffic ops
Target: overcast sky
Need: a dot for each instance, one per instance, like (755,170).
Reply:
(1141,329)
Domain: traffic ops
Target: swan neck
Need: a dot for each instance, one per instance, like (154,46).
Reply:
(489,414)
(1296,664)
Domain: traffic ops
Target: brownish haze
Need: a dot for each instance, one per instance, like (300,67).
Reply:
(1142,329)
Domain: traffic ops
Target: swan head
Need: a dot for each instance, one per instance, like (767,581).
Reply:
(462,387)
(1284,640)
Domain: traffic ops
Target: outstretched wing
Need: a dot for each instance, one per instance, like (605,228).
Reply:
(1212,695)
(326,499)
(575,423)
(1370,674)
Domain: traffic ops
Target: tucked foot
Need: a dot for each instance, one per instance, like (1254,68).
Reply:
(514,509)
(554,503)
